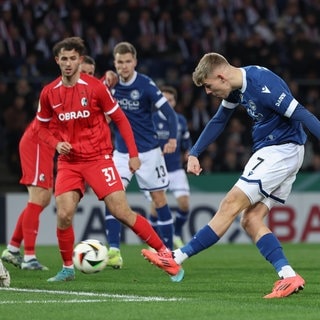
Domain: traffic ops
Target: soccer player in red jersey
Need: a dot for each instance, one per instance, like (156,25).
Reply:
(78,104)
(36,158)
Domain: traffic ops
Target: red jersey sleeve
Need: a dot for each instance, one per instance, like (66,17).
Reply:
(123,124)
(44,116)
(106,100)
(111,108)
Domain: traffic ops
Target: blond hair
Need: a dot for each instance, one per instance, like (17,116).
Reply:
(206,65)
(123,48)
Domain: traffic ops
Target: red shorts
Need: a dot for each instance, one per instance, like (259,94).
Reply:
(100,174)
(36,158)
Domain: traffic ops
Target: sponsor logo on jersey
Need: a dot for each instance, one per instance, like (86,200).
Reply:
(127,104)
(56,105)
(252,111)
(282,96)
(73,115)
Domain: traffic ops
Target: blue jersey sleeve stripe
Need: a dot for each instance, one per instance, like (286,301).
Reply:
(160,102)
(229,105)
(292,106)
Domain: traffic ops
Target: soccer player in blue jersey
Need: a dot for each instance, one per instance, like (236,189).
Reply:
(278,151)
(178,181)
(139,97)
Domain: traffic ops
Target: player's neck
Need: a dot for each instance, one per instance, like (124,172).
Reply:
(128,78)
(236,78)
(70,81)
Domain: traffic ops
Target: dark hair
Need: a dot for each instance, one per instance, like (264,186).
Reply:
(171,90)
(70,43)
(88,60)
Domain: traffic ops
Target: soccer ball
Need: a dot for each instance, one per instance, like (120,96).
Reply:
(90,256)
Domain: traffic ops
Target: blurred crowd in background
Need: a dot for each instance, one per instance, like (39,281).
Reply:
(170,37)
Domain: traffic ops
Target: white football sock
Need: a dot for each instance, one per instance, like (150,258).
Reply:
(28,257)
(286,272)
(12,248)
(179,256)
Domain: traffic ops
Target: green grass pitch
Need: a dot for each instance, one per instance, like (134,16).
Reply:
(225,282)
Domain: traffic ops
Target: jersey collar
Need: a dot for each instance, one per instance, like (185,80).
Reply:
(131,81)
(244,80)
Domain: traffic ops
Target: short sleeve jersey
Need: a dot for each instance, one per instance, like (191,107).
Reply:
(79,116)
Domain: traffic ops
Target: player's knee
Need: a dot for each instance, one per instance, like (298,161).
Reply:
(229,206)
(245,222)
(64,218)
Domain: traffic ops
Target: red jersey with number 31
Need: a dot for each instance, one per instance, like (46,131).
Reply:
(79,114)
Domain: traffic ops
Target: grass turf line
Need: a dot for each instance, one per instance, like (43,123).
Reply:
(224,282)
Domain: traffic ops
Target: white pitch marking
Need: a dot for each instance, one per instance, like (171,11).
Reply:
(88,294)
(52,301)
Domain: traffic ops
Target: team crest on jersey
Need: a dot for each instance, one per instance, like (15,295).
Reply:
(84,102)
(252,111)
(134,95)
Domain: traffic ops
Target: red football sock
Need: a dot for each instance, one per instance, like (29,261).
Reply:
(143,229)
(66,242)
(17,235)
(30,226)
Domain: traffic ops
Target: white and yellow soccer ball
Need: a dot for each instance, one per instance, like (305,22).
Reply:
(90,256)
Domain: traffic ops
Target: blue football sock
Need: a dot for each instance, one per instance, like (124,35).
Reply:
(165,225)
(203,239)
(270,247)
(113,230)
(154,222)
(181,218)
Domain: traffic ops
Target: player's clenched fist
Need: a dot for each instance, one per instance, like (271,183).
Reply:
(193,165)
(64,147)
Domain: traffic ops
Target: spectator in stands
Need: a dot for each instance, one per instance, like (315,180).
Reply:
(291,22)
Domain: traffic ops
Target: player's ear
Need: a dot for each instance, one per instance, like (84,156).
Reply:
(221,77)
